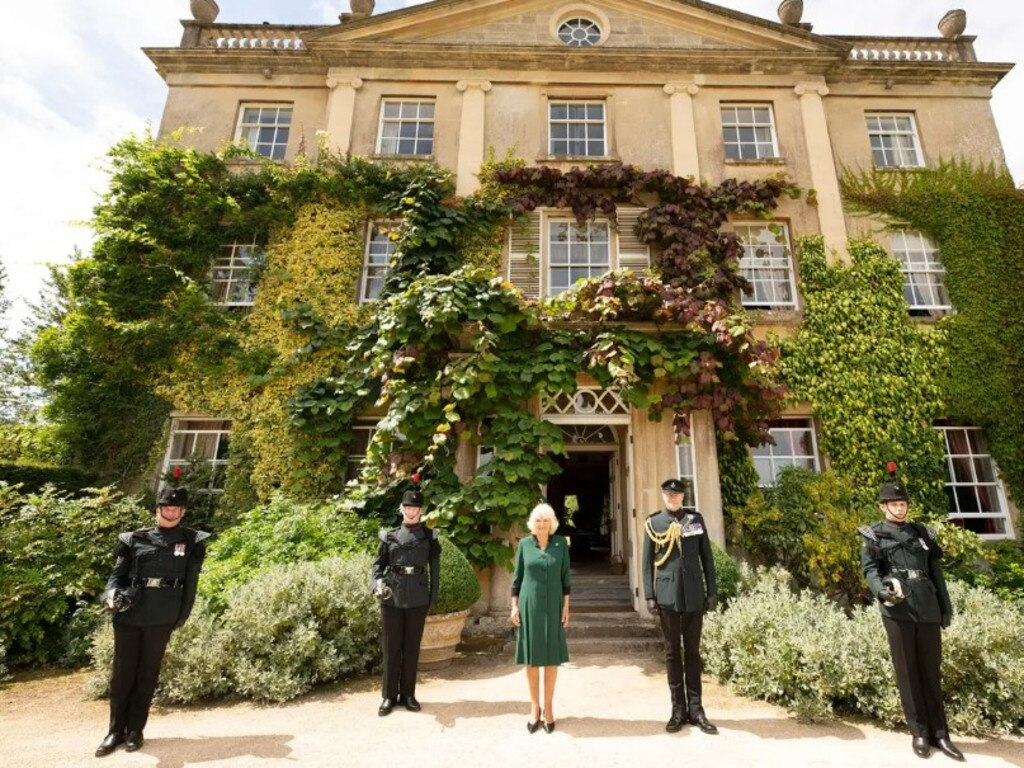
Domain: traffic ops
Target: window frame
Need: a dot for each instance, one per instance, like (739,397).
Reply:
(258,254)
(354,461)
(169,463)
(933,254)
(750,301)
(547,223)
(771,125)
(364,277)
(240,125)
(692,503)
(914,133)
(999,491)
(552,102)
(382,119)
(809,426)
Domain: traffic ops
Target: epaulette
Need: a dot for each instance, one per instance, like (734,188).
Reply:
(126,538)
(867,532)
(933,534)
(199,536)
(435,533)
(382,534)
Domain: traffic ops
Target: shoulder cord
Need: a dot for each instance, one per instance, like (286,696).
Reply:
(672,537)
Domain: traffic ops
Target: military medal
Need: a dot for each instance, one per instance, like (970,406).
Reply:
(179,550)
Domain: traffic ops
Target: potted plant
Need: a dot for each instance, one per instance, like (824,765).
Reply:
(457,591)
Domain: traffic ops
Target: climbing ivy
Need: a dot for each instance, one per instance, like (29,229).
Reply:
(976,218)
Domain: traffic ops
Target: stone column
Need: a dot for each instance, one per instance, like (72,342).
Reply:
(471,135)
(340,111)
(709,489)
(823,167)
(685,160)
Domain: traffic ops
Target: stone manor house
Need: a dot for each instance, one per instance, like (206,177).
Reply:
(678,84)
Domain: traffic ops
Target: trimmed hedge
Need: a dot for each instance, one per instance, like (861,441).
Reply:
(33,477)
(802,651)
(458,588)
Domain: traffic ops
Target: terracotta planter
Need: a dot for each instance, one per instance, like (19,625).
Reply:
(953,24)
(362,7)
(791,11)
(205,11)
(440,636)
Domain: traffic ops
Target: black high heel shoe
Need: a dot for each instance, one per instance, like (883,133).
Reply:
(532,727)
(549,727)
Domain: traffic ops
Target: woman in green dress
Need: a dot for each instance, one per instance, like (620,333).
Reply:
(540,609)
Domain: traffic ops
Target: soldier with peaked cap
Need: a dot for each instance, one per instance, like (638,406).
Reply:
(405,580)
(150,593)
(679,586)
(902,564)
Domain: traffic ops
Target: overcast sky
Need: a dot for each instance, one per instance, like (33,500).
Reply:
(73,81)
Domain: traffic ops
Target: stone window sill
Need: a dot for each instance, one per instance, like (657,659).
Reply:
(758,161)
(605,159)
(404,158)
(775,316)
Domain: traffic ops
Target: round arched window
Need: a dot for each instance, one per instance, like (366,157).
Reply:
(579,32)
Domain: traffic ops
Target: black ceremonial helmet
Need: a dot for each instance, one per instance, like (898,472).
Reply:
(173,497)
(674,485)
(891,490)
(414,496)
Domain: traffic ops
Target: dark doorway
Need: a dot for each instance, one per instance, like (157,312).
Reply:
(581,497)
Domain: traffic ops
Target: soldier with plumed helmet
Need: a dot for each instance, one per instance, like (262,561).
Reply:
(680,584)
(902,563)
(150,593)
(405,580)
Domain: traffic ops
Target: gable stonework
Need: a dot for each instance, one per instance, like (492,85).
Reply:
(533,28)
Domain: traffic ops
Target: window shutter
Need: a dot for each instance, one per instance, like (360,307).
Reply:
(524,255)
(633,254)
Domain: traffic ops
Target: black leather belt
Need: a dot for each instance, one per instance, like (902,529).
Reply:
(911,574)
(159,583)
(408,569)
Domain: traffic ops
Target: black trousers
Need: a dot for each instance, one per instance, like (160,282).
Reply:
(916,651)
(403,632)
(138,653)
(685,627)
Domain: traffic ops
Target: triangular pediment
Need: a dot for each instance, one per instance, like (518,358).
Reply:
(667,24)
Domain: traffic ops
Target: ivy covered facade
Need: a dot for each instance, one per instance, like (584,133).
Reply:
(384,278)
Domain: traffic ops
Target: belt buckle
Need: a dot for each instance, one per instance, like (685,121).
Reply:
(154,582)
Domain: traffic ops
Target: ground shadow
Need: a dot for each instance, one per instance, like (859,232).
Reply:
(177,752)
(1010,751)
(448,714)
(791,728)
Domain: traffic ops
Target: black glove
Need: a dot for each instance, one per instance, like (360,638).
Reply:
(653,607)
(947,619)
(710,603)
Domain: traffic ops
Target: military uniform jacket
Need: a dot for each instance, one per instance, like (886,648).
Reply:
(911,546)
(174,555)
(402,549)
(688,574)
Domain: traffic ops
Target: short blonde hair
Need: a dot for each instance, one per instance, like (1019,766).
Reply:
(546,511)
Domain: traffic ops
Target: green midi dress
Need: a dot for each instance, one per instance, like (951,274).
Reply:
(541,580)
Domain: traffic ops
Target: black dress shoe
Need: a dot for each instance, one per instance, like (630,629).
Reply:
(701,721)
(946,746)
(133,741)
(921,746)
(532,727)
(109,744)
(385,707)
(410,703)
(676,722)
(549,727)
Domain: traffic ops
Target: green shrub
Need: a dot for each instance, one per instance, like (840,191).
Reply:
(278,533)
(3,667)
(458,588)
(32,477)
(279,635)
(727,573)
(802,651)
(57,551)
(998,566)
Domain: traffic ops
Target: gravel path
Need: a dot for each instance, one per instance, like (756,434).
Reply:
(610,713)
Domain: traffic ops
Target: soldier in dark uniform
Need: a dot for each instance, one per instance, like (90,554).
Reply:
(151,593)
(400,582)
(902,565)
(679,586)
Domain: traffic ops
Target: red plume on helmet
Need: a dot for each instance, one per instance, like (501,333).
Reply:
(177,473)
(891,466)
(416,478)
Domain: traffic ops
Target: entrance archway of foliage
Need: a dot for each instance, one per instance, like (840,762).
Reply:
(451,353)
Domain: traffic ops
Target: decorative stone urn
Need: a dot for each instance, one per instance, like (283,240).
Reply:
(205,11)
(362,8)
(440,637)
(790,11)
(953,24)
